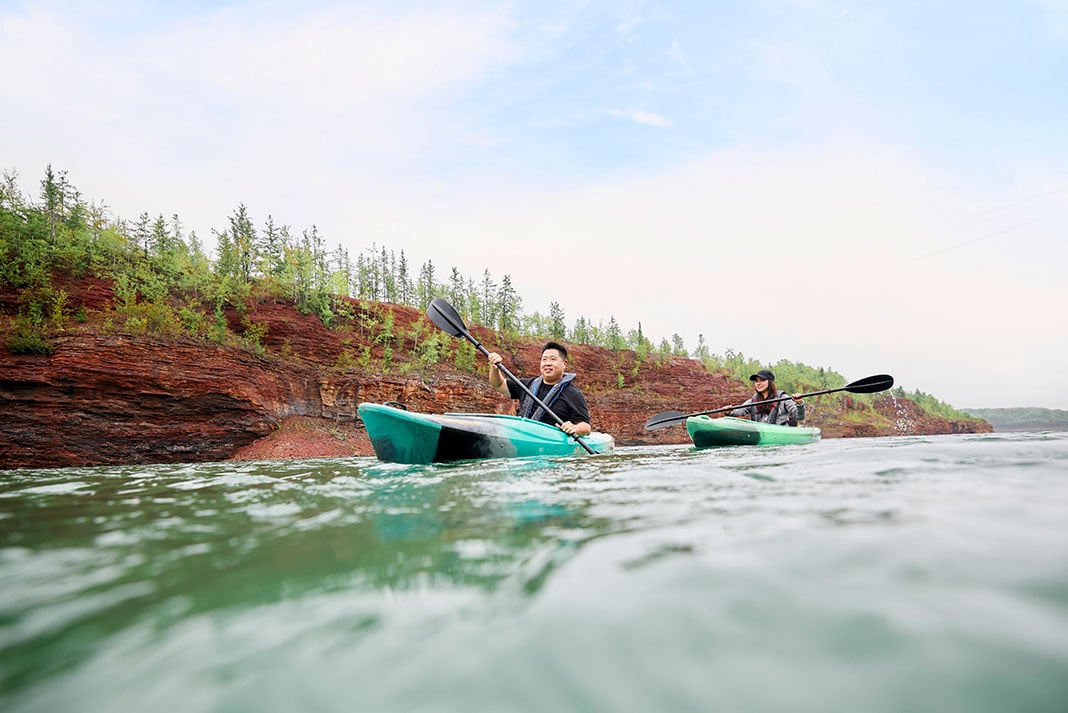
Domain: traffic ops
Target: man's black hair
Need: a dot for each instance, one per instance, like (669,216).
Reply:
(558,347)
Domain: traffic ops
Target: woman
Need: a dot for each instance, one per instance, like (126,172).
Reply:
(786,412)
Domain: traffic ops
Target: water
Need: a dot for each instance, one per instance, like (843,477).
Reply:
(895,574)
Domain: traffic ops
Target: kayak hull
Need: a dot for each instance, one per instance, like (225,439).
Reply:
(400,436)
(708,432)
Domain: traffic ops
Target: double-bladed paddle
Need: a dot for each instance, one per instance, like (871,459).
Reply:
(870,385)
(448,319)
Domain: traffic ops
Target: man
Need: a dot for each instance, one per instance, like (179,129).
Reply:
(554,388)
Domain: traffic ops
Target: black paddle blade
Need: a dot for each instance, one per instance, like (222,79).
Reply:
(663,420)
(871,385)
(448,320)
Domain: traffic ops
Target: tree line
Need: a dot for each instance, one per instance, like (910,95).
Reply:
(153,261)
(154,265)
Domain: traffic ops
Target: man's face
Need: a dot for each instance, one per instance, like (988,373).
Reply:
(552,366)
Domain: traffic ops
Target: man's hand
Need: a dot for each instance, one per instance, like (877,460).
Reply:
(576,429)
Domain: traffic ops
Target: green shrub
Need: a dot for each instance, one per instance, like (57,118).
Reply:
(27,339)
(151,318)
(345,361)
(465,356)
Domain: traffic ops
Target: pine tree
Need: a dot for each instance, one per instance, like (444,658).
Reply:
(404,280)
(142,233)
(581,332)
(386,266)
(488,297)
(270,249)
(243,242)
(677,346)
(426,290)
(456,292)
(701,352)
(51,197)
(509,307)
(613,337)
(557,327)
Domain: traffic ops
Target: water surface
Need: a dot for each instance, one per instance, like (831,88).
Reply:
(893,574)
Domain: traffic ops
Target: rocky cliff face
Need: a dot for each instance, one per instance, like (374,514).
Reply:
(120,398)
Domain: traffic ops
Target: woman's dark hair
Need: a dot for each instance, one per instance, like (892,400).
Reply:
(558,347)
(772,393)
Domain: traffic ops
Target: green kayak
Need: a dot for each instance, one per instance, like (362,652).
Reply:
(400,436)
(729,431)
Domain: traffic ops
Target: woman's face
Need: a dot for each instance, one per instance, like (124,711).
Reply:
(761,385)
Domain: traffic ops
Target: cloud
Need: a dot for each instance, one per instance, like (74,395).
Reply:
(778,253)
(278,106)
(364,77)
(641,117)
(808,160)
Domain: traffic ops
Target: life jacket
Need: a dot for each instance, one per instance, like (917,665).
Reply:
(528,408)
(772,416)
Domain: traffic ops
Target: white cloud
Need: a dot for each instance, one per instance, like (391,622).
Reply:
(778,253)
(829,235)
(641,117)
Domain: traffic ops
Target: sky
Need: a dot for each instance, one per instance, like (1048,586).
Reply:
(872,187)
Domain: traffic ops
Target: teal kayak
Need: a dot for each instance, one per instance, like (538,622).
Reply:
(400,436)
(729,431)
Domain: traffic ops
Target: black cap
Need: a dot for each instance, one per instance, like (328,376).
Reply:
(762,374)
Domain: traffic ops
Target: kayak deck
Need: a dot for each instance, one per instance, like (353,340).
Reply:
(400,436)
(708,432)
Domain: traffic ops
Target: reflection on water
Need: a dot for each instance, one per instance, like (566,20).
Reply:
(651,579)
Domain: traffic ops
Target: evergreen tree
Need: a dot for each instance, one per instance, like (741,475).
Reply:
(509,307)
(243,243)
(317,247)
(701,352)
(341,277)
(426,290)
(51,197)
(386,268)
(474,303)
(614,340)
(456,292)
(176,228)
(404,280)
(159,239)
(226,263)
(678,348)
(488,298)
(142,233)
(557,327)
(269,247)
(581,332)
(363,278)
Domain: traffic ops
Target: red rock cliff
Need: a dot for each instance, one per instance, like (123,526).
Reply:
(119,398)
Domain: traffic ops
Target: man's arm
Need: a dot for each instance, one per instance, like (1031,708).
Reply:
(577,409)
(496,378)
